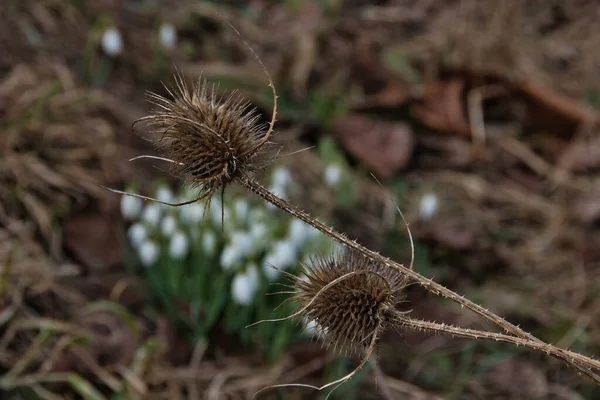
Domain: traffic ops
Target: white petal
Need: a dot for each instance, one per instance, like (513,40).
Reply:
(131,206)
(178,246)
(241,208)
(137,233)
(281,177)
(428,206)
(192,213)
(148,252)
(112,42)
(333,174)
(168,225)
(285,253)
(269,262)
(209,242)
(242,289)
(229,257)
(259,231)
(165,195)
(152,214)
(167,35)
(243,242)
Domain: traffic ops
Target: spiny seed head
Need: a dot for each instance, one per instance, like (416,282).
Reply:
(211,141)
(347,296)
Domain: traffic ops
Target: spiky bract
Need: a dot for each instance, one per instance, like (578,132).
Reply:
(347,296)
(211,141)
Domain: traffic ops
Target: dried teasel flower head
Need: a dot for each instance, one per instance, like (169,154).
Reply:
(348,297)
(209,141)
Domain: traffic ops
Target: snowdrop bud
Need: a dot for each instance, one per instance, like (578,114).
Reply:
(269,262)
(243,289)
(259,231)
(229,257)
(285,254)
(148,253)
(151,214)
(333,174)
(168,225)
(192,213)
(137,233)
(131,207)
(281,177)
(299,232)
(167,35)
(252,273)
(209,242)
(112,42)
(178,246)
(241,208)
(243,242)
(428,206)
(218,214)
(165,195)
(311,328)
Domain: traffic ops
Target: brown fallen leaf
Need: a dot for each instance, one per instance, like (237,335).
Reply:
(556,112)
(384,147)
(442,107)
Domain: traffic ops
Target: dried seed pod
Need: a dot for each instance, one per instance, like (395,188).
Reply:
(209,141)
(348,297)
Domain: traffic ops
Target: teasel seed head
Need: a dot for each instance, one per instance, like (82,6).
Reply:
(349,298)
(209,141)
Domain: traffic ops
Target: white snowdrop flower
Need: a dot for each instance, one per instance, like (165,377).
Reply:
(252,273)
(219,214)
(137,233)
(192,213)
(112,42)
(167,36)
(281,177)
(209,242)
(241,208)
(333,174)
(259,231)
(152,214)
(428,206)
(148,252)
(165,195)
(168,225)
(311,328)
(269,262)
(243,242)
(131,206)
(285,254)
(299,232)
(243,289)
(229,257)
(178,245)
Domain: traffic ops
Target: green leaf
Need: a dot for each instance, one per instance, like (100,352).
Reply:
(84,388)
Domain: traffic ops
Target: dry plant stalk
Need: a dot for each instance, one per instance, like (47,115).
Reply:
(211,143)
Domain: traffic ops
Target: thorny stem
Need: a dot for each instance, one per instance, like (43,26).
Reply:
(427,283)
(400,319)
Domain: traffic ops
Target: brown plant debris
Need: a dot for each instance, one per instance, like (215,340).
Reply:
(384,147)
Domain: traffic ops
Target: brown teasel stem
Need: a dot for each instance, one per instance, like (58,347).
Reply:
(401,320)
(581,363)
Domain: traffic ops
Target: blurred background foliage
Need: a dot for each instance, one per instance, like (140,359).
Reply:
(479,117)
